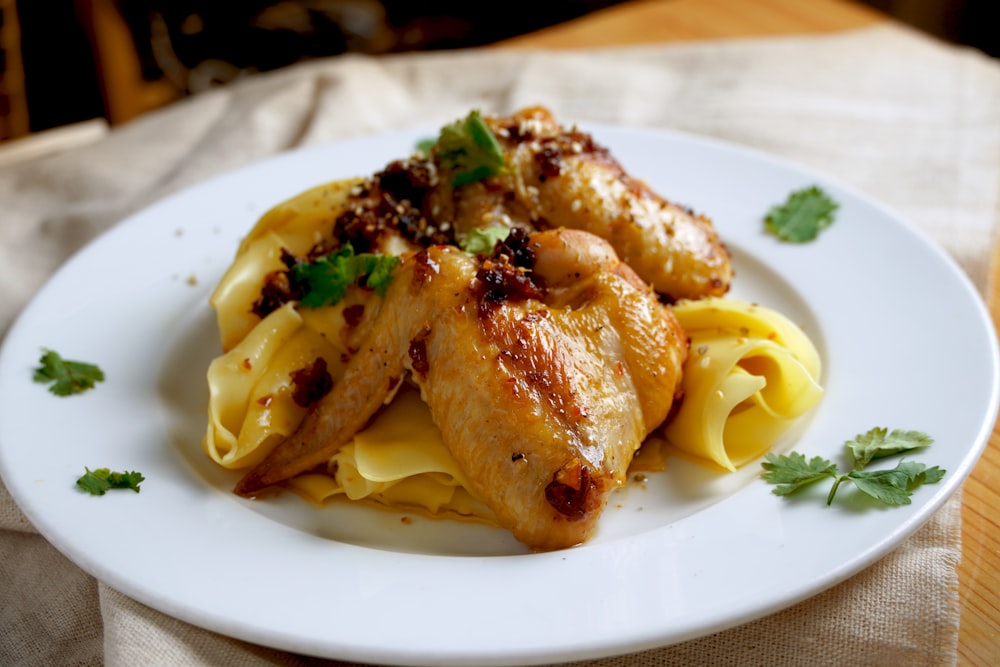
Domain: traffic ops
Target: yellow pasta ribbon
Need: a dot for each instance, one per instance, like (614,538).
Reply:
(400,461)
(251,407)
(295,225)
(750,374)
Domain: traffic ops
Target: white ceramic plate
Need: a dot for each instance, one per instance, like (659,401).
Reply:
(905,341)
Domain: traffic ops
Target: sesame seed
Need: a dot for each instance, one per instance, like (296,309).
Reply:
(530,127)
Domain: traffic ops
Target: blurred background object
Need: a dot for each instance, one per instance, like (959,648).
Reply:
(67,61)
(974,23)
(13,97)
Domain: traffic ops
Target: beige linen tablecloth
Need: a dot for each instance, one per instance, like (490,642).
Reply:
(908,120)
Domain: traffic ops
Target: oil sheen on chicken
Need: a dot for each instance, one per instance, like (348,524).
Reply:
(554,177)
(560,177)
(544,364)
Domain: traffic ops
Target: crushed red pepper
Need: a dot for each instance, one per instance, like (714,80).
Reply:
(418,351)
(353,314)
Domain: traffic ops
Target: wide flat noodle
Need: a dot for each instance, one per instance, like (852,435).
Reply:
(399,460)
(251,405)
(295,225)
(240,287)
(750,374)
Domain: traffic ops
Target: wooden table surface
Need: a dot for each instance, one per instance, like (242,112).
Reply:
(659,21)
(651,21)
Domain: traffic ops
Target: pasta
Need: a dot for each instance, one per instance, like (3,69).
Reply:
(750,375)
(294,225)
(251,403)
(398,461)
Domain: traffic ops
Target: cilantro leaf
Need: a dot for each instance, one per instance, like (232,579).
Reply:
(66,377)
(792,472)
(327,278)
(893,487)
(879,443)
(379,272)
(482,240)
(100,481)
(803,215)
(425,145)
(469,148)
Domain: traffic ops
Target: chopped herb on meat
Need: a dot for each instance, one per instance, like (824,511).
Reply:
(326,279)
(470,150)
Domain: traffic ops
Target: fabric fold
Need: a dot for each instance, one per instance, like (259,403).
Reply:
(903,118)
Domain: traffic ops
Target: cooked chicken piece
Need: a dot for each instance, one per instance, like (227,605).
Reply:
(544,366)
(562,178)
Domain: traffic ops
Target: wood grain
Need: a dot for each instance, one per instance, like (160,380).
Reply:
(658,21)
(979,573)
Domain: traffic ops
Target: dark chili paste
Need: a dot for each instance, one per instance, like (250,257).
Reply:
(507,273)
(353,314)
(418,351)
(573,491)
(393,200)
(311,383)
(279,287)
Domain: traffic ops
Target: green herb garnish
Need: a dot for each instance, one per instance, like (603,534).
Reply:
(425,145)
(100,481)
(482,240)
(792,472)
(327,278)
(803,215)
(469,148)
(66,377)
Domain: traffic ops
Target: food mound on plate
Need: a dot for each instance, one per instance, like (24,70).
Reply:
(482,329)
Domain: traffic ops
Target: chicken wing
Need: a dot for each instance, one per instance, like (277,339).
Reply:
(544,365)
(561,178)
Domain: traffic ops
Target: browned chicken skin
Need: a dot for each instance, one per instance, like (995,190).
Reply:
(544,365)
(554,178)
(562,178)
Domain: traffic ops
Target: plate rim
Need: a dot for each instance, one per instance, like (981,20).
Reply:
(906,528)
